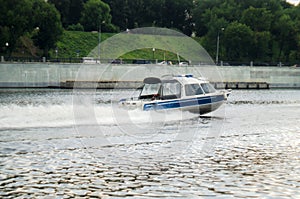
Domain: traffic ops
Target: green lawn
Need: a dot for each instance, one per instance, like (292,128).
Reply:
(74,44)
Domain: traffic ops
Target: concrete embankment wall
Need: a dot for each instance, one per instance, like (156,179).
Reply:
(53,75)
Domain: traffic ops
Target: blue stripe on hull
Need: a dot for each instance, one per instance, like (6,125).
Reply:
(184,103)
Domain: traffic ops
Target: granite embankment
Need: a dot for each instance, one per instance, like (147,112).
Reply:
(46,75)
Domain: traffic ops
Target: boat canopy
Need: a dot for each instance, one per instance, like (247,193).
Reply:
(152,80)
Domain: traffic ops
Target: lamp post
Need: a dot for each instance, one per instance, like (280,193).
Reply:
(56,52)
(5,51)
(99,41)
(7,45)
(153,51)
(218,45)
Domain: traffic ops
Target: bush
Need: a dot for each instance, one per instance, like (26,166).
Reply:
(75,27)
(110,28)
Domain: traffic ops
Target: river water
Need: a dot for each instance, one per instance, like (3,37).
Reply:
(52,147)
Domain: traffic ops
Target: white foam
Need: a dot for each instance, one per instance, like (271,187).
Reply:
(29,116)
(14,116)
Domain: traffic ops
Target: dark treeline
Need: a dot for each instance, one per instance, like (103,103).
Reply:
(248,30)
(257,30)
(34,23)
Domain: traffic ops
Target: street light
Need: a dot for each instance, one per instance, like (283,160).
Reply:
(153,50)
(56,52)
(5,50)
(218,45)
(99,41)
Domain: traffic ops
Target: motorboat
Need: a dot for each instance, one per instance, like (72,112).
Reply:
(179,92)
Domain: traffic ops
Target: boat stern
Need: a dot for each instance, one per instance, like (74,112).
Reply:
(130,104)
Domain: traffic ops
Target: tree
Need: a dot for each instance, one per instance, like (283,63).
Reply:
(96,14)
(286,37)
(296,17)
(261,49)
(206,11)
(154,13)
(215,27)
(70,10)
(238,41)
(177,14)
(64,9)
(19,19)
(15,20)
(259,19)
(290,20)
(120,12)
(47,20)
(75,10)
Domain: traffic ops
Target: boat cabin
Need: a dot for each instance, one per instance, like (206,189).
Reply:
(174,88)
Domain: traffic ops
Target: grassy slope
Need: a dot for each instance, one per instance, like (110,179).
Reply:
(84,42)
(147,54)
(72,42)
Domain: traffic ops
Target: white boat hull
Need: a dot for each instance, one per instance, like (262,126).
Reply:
(183,92)
(200,104)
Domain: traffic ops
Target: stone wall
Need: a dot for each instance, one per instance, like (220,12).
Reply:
(51,75)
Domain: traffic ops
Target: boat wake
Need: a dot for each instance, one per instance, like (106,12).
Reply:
(257,102)
(15,116)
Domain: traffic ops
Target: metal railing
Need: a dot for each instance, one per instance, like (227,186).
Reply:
(11,59)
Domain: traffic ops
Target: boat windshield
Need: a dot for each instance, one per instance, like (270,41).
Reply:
(171,90)
(208,88)
(150,89)
(193,89)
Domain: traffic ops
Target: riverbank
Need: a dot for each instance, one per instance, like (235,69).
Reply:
(53,75)
(138,84)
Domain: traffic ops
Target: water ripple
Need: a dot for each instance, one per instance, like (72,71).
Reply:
(255,156)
